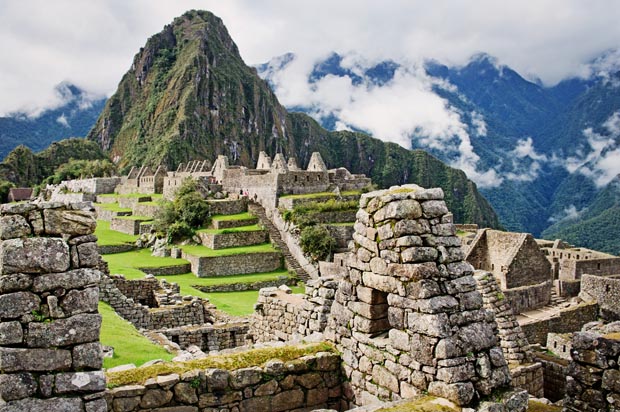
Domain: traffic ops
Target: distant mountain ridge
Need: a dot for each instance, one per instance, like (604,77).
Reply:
(541,141)
(73,118)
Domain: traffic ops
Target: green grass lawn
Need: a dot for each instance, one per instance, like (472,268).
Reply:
(321,194)
(203,251)
(113,207)
(238,216)
(129,345)
(109,237)
(250,228)
(127,263)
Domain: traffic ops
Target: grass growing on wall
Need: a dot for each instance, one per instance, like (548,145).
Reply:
(321,194)
(127,263)
(129,345)
(238,216)
(203,251)
(250,228)
(109,237)
(246,359)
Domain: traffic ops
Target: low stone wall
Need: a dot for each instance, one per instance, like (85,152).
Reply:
(144,209)
(71,197)
(342,216)
(282,316)
(140,290)
(232,239)
(130,202)
(109,249)
(108,215)
(529,297)
(311,382)
(168,270)
(128,226)
(209,337)
(568,288)
(593,381)
(290,202)
(96,185)
(529,377)
(234,264)
(50,356)
(189,313)
(568,320)
(554,375)
(228,206)
(238,287)
(228,224)
(606,292)
(106,199)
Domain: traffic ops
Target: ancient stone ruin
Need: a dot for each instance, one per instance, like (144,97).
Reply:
(50,356)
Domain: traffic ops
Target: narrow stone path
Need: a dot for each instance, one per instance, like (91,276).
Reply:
(274,234)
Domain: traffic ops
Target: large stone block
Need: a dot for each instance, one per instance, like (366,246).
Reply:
(87,356)
(17,386)
(34,255)
(460,393)
(73,279)
(88,254)
(13,226)
(77,329)
(79,382)
(17,304)
(15,282)
(404,209)
(44,405)
(11,333)
(41,360)
(69,222)
(80,301)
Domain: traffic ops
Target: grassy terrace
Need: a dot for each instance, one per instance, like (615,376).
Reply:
(255,357)
(342,224)
(129,345)
(251,228)
(113,207)
(109,237)
(321,194)
(128,263)
(238,216)
(134,217)
(203,251)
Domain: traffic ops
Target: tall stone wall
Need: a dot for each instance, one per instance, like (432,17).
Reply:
(605,291)
(408,317)
(50,356)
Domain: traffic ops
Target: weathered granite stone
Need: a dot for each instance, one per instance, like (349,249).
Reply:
(71,222)
(11,333)
(80,301)
(34,255)
(185,393)
(87,356)
(77,329)
(15,282)
(73,279)
(17,386)
(154,398)
(97,405)
(88,254)
(13,226)
(459,393)
(79,382)
(17,304)
(44,405)
(43,360)
(405,209)
(242,378)
(287,400)
(217,379)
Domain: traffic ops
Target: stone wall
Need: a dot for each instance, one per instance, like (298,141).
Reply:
(233,239)
(342,235)
(279,315)
(131,202)
(605,291)
(50,356)
(311,382)
(567,320)
(209,337)
(529,377)
(108,249)
(593,382)
(124,225)
(237,287)
(145,209)
(69,197)
(108,215)
(531,297)
(228,206)
(574,269)
(97,185)
(408,317)
(227,224)
(234,264)
(291,202)
(560,344)
(554,375)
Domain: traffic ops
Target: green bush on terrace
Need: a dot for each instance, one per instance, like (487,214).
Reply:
(301,214)
(317,242)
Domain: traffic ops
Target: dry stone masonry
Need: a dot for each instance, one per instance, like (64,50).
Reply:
(407,316)
(50,356)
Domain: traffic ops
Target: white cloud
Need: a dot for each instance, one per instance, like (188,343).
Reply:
(62,119)
(601,162)
(480,126)
(569,213)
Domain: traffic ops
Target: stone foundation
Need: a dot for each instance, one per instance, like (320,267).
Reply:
(50,356)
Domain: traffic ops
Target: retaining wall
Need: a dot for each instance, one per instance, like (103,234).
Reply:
(228,206)
(568,320)
(209,337)
(606,292)
(227,224)
(529,297)
(237,287)
(233,239)
(311,382)
(234,264)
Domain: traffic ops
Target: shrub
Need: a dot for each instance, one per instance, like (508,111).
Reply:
(317,242)
(178,231)
(192,209)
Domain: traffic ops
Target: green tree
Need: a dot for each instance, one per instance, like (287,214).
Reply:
(317,242)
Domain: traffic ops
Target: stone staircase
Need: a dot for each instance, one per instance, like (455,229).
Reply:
(274,234)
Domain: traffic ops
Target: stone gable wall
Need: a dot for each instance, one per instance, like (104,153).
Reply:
(575,269)
(309,383)
(50,356)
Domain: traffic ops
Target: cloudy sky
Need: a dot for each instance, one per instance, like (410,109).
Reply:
(92,43)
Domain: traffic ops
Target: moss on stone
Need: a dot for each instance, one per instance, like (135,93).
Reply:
(423,404)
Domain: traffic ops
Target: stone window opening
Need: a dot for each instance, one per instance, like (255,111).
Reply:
(379,324)
(555,345)
(205,342)
(563,348)
(598,266)
(607,288)
(307,178)
(175,339)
